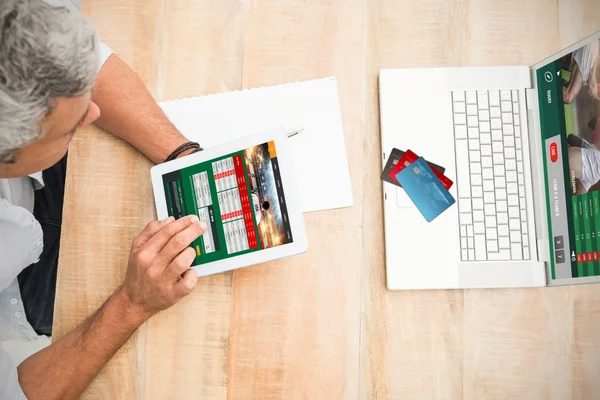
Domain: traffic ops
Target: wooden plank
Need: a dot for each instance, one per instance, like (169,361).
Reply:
(103,213)
(517,341)
(201,53)
(295,323)
(411,345)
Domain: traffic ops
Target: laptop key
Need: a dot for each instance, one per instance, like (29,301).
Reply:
(478,216)
(465,218)
(482,100)
(515,237)
(460,132)
(460,119)
(471,97)
(488,198)
(478,228)
(464,255)
(458,96)
(502,219)
(494,97)
(480,254)
(506,118)
(462,169)
(495,113)
(473,133)
(488,186)
(515,251)
(503,230)
(459,107)
(501,206)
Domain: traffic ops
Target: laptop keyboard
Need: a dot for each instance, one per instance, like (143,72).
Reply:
(490,176)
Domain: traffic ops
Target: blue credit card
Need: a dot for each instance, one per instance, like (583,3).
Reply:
(425,189)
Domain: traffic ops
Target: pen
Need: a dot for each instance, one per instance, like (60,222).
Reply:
(295,131)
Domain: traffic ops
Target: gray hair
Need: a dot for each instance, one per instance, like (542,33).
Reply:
(46,52)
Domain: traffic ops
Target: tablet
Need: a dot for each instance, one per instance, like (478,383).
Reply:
(245,193)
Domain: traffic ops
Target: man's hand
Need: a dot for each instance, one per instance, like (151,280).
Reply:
(158,276)
(159,273)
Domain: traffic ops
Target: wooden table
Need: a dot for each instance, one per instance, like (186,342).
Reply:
(322,325)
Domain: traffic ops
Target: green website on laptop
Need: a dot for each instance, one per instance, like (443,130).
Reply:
(569,102)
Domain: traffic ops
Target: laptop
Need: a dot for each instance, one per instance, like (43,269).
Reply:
(522,145)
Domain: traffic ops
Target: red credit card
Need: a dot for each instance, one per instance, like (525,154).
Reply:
(408,158)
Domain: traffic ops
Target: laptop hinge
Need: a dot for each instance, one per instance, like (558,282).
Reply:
(529,103)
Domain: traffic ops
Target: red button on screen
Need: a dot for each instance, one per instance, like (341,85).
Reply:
(553,152)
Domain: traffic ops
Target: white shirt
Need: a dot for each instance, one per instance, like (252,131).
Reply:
(21,244)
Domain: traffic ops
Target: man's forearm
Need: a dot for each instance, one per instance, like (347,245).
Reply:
(130,112)
(69,365)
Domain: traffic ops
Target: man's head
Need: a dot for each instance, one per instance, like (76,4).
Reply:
(49,58)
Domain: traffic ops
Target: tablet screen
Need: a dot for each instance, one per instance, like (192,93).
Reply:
(239,196)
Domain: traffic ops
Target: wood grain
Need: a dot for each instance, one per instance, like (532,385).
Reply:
(302,314)
(321,325)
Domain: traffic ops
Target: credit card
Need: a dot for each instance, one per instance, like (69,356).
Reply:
(393,158)
(425,189)
(408,158)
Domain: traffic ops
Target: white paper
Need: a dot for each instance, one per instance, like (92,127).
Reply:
(319,152)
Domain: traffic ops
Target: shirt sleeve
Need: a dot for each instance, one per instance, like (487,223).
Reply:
(10,389)
(22,241)
(105,52)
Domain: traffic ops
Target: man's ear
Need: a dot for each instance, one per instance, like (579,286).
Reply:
(7,158)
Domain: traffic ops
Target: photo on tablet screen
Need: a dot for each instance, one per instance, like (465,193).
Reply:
(241,199)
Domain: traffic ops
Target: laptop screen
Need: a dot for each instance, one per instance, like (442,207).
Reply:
(569,100)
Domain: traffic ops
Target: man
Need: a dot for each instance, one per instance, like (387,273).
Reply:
(51,84)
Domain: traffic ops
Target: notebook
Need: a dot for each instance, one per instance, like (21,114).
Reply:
(318,152)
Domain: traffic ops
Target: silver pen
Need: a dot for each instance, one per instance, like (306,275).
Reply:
(293,132)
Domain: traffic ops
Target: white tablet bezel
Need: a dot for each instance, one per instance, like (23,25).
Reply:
(278,135)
